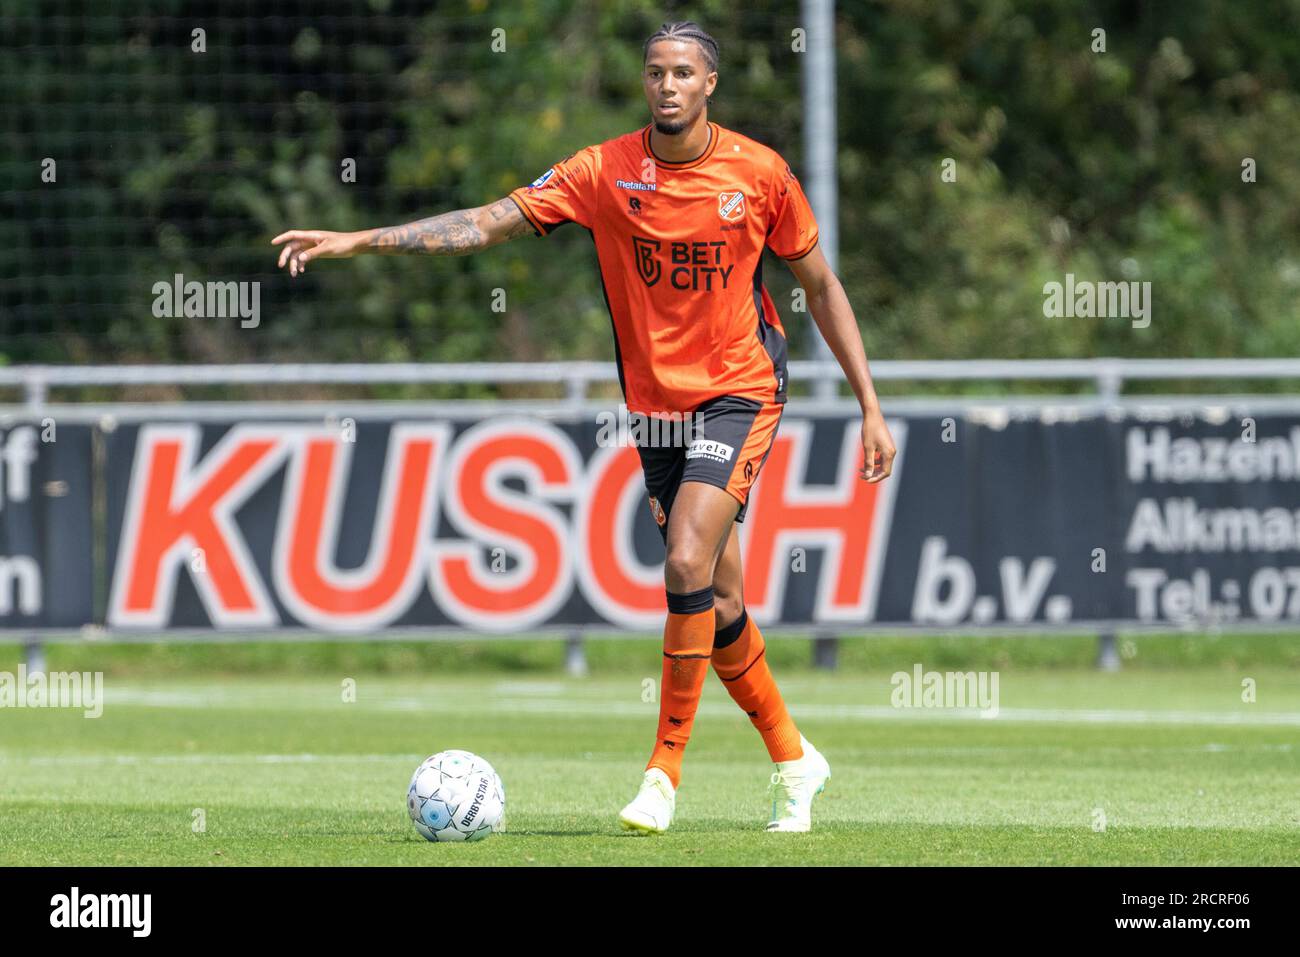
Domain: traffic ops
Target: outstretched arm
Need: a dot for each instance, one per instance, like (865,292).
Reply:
(835,320)
(457,233)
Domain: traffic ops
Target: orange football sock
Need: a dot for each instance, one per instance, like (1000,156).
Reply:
(739,660)
(688,643)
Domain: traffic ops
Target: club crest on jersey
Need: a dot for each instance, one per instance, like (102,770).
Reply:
(541,180)
(731,206)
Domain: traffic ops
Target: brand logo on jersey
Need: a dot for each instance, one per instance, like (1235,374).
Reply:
(647,266)
(636,185)
(541,180)
(634,206)
(710,449)
(731,206)
(657,511)
(696,266)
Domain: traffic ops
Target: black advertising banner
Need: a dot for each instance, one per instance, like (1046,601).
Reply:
(46,540)
(1211,525)
(1186,521)
(515,523)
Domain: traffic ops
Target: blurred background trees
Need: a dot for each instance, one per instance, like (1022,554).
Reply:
(1125,164)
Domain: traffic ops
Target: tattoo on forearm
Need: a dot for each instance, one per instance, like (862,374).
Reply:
(506,214)
(452,234)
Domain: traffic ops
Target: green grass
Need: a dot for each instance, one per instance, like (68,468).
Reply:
(286,772)
(1175,651)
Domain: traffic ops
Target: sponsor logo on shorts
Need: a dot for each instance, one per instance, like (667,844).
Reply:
(710,449)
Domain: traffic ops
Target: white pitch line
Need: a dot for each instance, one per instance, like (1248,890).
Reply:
(443,703)
(918,751)
(63,759)
(885,712)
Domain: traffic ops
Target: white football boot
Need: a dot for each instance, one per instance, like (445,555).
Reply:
(794,785)
(651,811)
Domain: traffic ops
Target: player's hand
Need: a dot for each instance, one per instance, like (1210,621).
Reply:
(303,245)
(877,447)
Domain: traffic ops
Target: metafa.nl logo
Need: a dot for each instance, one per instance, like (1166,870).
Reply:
(75,909)
(57,689)
(948,689)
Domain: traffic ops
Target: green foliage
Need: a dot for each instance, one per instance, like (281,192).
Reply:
(1123,164)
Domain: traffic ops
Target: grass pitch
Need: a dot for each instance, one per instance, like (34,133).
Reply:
(1163,766)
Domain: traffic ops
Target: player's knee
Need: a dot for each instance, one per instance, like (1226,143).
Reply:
(688,567)
(727,599)
(726,606)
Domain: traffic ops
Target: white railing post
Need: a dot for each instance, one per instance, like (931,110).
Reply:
(35,388)
(1110,381)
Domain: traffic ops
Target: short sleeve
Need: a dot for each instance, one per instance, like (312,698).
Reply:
(565,193)
(791,228)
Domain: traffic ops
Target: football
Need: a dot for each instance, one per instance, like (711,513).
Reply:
(456,796)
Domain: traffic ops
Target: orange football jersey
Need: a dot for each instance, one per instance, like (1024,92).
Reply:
(680,248)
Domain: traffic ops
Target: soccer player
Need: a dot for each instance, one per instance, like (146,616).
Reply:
(680,212)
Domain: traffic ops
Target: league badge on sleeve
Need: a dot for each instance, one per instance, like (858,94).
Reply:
(541,180)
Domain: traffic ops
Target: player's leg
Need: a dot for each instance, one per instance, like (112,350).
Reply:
(697,527)
(739,653)
(740,661)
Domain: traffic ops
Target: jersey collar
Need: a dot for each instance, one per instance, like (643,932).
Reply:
(715,133)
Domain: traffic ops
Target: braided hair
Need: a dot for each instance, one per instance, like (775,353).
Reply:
(690,31)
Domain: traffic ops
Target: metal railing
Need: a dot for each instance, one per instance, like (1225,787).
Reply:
(1108,375)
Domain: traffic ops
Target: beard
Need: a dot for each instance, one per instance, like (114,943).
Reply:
(671,128)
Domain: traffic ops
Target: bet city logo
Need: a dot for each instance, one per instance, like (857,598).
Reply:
(695,266)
